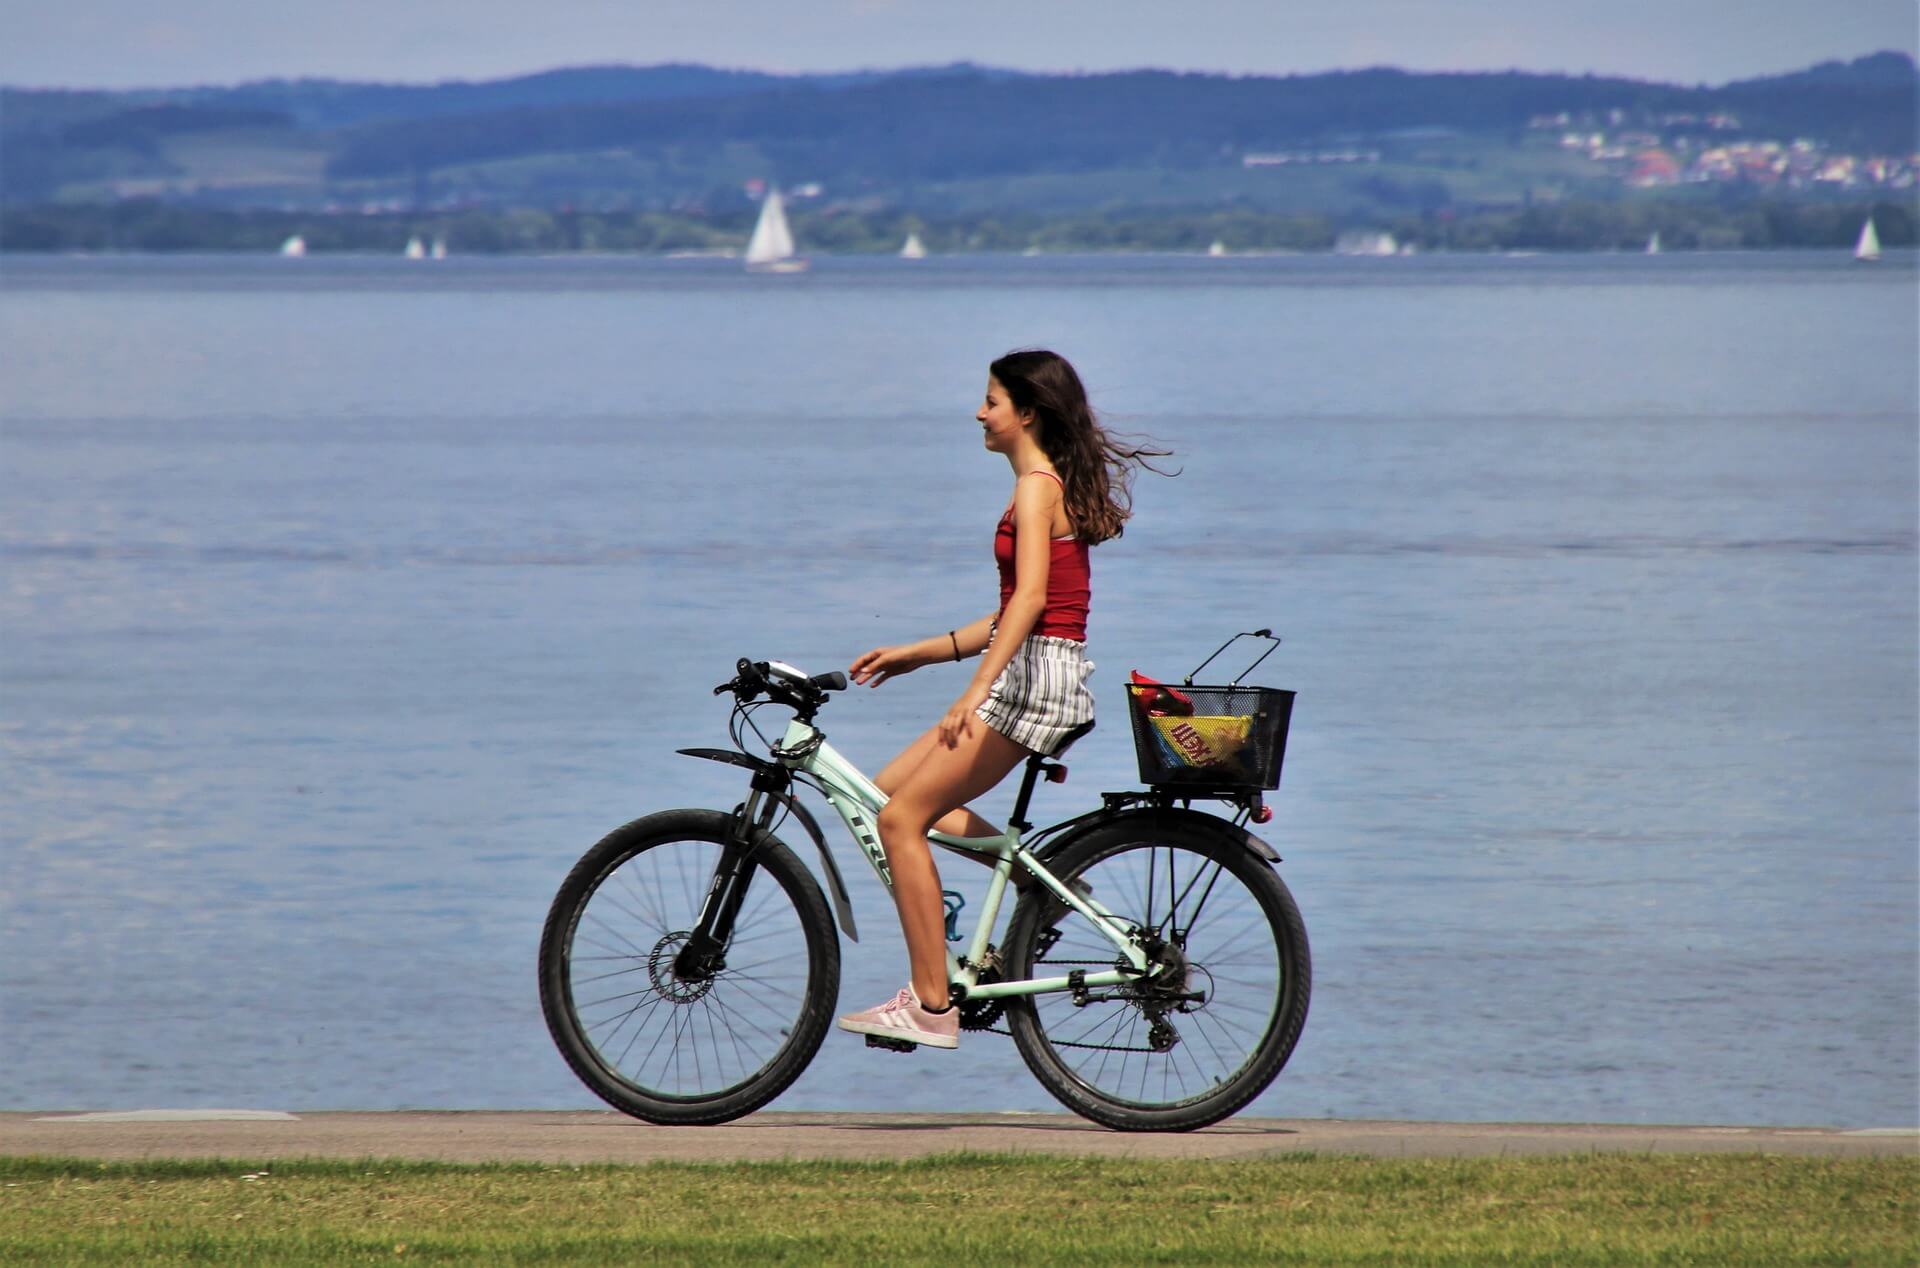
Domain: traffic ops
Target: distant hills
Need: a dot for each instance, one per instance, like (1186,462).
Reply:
(958,139)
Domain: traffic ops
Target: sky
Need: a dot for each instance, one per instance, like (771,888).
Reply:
(175,43)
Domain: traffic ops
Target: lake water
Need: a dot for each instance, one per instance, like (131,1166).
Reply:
(346,602)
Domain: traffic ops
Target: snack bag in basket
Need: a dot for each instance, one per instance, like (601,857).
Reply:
(1216,743)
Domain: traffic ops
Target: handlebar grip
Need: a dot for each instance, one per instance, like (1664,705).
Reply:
(766,675)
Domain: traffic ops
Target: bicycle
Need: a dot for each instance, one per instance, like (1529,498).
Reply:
(1155,974)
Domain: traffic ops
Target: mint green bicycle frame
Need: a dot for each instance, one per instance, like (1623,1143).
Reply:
(804,750)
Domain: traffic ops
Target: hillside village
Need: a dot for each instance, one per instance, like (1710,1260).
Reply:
(1682,149)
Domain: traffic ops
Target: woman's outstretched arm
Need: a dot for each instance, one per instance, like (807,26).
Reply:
(875,667)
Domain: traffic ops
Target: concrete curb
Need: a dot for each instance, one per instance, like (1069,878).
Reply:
(577,1137)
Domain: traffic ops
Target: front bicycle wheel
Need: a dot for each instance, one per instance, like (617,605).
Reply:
(1194,1042)
(674,1048)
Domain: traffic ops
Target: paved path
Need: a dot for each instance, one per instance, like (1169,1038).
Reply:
(567,1136)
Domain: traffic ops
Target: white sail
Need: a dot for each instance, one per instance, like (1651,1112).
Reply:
(416,249)
(1868,247)
(914,248)
(1218,248)
(1653,243)
(294,246)
(439,251)
(772,241)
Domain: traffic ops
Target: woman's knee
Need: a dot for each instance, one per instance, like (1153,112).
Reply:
(901,819)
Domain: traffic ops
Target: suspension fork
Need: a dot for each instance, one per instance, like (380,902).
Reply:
(705,952)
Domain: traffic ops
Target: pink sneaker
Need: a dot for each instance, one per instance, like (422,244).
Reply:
(903,1018)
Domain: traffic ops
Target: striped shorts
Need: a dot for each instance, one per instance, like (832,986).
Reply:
(1042,693)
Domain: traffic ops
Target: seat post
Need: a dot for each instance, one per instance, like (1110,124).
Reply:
(1018,820)
(1036,766)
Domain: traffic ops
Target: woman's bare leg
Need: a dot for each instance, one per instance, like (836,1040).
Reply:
(960,823)
(944,779)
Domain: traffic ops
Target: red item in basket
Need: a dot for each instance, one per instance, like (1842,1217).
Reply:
(1160,700)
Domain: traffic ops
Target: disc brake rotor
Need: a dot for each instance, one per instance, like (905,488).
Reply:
(666,983)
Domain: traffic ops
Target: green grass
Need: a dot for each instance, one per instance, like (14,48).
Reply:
(973,1209)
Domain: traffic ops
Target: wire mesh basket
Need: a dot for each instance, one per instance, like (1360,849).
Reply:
(1210,737)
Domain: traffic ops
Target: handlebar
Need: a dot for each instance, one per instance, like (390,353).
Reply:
(835,681)
(781,682)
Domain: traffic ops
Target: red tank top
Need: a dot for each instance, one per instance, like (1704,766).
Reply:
(1069,580)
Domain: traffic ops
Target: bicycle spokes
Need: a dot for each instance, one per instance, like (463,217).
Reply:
(666,1011)
(1200,1017)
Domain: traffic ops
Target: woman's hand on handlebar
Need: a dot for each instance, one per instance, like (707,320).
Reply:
(875,667)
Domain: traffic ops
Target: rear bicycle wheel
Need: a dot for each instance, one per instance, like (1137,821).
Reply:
(676,1049)
(1195,1042)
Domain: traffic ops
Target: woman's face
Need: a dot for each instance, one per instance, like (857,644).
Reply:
(1002,423)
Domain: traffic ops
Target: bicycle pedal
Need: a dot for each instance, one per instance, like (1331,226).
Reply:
(897,1045)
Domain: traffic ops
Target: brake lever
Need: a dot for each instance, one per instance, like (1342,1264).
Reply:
(744,683)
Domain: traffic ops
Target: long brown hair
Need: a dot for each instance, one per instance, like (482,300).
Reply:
(1095,469)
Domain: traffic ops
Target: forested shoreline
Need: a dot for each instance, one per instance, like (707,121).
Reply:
(153,226)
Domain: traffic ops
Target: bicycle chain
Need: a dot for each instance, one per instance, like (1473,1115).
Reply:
(1067,1043)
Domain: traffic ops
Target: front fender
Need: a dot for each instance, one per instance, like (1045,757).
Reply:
(1163,819)
(836,888)
(732,757)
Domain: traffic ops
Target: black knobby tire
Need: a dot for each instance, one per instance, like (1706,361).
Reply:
(662,1048)
(1246,954)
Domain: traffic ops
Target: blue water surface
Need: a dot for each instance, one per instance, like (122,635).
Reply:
(347,601)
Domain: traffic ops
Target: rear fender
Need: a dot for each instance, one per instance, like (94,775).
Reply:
(836,888)
(1164,819)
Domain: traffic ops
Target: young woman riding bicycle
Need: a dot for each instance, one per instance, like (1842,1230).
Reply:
(1029,693)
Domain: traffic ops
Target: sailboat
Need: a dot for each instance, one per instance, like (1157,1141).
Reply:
(1653,243)
(1218,248)
(771,249)
(439,251)
(914,248)
(1868,248)
(416,249)
(295,246)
